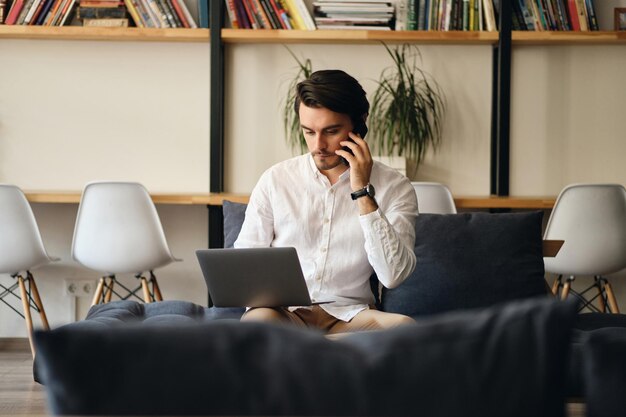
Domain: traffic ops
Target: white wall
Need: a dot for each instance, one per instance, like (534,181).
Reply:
(72,112)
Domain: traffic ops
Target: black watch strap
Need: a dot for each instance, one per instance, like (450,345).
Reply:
(368,190)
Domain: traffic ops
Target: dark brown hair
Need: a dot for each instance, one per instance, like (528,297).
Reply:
(336,91)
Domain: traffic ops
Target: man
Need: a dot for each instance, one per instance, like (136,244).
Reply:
(342,228)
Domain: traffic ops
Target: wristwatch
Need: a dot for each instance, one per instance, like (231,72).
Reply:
(368,190)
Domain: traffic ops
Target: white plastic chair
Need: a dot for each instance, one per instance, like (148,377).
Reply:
(433,197)
(21,249)
(118,231)
(591,219)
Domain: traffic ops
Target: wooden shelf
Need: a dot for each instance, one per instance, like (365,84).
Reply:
(356,36)
(567,38)
(103,34)
(73,197)
(216,199)
(306,36)
(489,202)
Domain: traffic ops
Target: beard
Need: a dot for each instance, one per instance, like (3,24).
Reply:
(325,161)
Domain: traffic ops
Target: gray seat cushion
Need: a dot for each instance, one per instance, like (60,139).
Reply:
(471,260)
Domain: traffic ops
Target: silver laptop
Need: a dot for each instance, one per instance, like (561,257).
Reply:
(258,277)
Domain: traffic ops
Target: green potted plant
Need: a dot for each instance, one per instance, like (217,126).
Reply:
(407,109)
(291,124)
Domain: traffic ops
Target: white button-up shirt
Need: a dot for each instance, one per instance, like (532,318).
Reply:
(293,204)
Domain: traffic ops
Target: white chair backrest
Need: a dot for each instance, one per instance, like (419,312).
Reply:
(21,246)
(118,230)
(591,219)
(433,197)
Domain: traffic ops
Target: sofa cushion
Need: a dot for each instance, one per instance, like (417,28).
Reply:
(471,260)
(505,360)
(604,369)
(234,214)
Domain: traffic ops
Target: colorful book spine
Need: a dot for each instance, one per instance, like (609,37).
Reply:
(203,13)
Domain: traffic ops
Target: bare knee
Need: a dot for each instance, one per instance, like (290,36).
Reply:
(263,314)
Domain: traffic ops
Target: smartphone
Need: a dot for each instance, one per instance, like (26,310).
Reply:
(361,130)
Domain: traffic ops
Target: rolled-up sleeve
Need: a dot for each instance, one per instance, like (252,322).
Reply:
(390,238)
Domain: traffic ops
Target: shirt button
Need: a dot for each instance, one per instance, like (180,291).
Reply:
(326,221)
(323,250)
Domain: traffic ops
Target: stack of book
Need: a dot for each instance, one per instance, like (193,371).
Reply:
(269,14)
(353,14)
(464,15)
(40,12)
(445,15)
(105,13)
(579,15)
(160,14)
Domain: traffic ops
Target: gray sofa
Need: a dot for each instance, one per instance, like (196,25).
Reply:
(488,342)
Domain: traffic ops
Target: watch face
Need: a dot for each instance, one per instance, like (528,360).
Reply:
(370,190)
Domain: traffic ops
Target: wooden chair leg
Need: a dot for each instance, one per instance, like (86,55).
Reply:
(566,288)
(556,284)
(146,291)
(27,316)
(611,298)
(98,295)
(156,290)
(38,303)
(109,293)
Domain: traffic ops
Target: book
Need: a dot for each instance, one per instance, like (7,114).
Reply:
(232,16)
(490,18)
(3,5)
(31,12)
(183,6)
(37,13)
(298,22)
(309,24)
(105,22)
(203,13)
(284,22)
(68,10)
(573,15)
(582,15)
(260,12)
(179,13)
(101,12)
(14,11)
(591,13)
(244,23)
(28,4)
(134,14)
(44,12)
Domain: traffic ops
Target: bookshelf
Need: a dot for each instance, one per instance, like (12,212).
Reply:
(223,37)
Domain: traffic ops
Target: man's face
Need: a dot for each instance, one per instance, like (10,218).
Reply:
(323,130)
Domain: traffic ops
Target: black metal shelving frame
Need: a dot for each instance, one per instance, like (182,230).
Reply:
(500,113)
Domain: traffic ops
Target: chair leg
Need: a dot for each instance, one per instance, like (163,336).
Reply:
(27,316)
(599,286)
(556,285)
(38,303)
(146,291)
(109,292)
(156,291)
(611,298)
(566,287)
(98,295)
